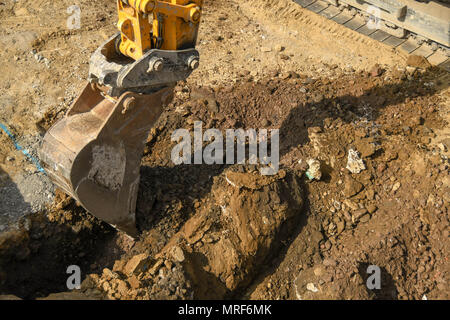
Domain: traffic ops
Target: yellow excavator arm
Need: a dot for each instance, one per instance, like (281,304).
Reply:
(94,152)
(174,25)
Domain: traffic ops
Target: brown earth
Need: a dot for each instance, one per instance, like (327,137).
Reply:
(219,231)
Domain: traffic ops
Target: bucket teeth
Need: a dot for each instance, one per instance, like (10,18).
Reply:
(94,152)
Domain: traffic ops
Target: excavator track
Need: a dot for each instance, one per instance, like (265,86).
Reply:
(407,25)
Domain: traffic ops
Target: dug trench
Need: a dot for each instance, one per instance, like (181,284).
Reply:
(218,231)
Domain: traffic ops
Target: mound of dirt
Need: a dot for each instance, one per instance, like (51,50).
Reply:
(219,249)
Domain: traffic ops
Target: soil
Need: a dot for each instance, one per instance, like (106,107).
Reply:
(225,231)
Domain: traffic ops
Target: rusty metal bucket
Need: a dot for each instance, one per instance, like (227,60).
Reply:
(94,152)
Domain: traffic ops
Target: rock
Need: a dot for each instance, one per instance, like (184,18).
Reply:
(89,282)
(285,76)
(347,216)
(359,214)
(136,264)
(376,71)
(156,267)
(213,105)
(418,62)
(370,194)
(134,282)
(351,186)
(425,140)
(21,12)
(118,265)
(410,70)
(108,274)
(266,49)
(177,253)
(238,198)
(311,287)
(122,287)
(279,48)
(445,144)
(168,264)
(366,148)
(442,147)
(350,204)
(318,272)
(340,225)
(265,123)
(354,163)
(365,218)
(396,186)
(417,121)
(371,208)
(328,262)
(313,172)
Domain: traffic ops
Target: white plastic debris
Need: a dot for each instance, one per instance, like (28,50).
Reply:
(354,163)
(313,172)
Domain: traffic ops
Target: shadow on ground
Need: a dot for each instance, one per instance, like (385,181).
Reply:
(161,185)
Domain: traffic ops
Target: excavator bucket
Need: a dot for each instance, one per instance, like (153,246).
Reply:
(94,152)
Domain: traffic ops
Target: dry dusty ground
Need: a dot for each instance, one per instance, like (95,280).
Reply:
(226,231)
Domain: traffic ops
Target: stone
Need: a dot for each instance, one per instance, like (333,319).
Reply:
(136,264)
(118,265)
(156,267)
(279,48)
(418,62)
(265,123)
(311,287)
(359,213)
(340,225)
(313,172)
(354,163)
(328,262)
(366,149)
(134,282)
(376,71)
(108,274)
(371,208)
(319,271)
(396,186)
(350,204)
(351,186)
(177,253)
(370,194)
(122,287)
(365,218)
(442,147)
